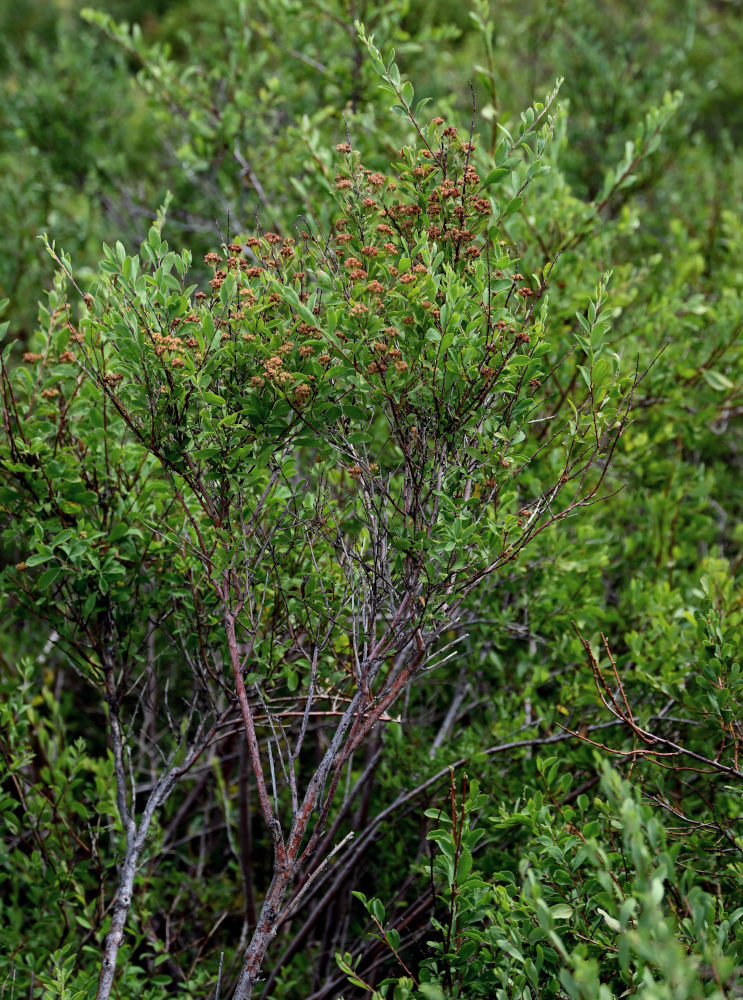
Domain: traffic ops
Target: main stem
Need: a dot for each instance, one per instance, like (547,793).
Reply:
(288,854)
(265,932)
(120,913)
(134,836)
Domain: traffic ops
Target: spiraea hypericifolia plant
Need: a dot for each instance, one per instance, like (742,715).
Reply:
(335,445)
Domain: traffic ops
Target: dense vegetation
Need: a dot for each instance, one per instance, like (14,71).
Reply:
(370,500)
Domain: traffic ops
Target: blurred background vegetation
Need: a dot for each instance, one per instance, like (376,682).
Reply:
(235,109)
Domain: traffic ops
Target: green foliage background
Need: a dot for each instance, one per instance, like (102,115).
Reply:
(593,869)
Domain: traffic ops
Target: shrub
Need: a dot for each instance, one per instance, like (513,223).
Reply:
(293,482)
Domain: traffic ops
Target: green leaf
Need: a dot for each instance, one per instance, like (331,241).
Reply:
(49,576)
(432,991)
(513,206)
(118,531)
(718,381)
(611,922)
(519,360)
(496,175)
(39,557)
